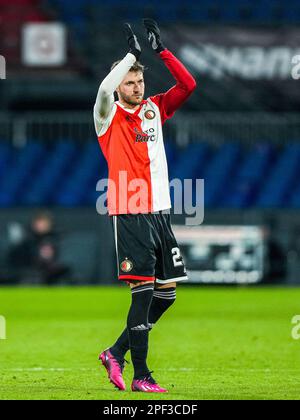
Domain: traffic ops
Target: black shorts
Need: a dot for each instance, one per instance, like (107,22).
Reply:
(147,249)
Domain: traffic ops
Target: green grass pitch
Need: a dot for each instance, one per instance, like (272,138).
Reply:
(214,343)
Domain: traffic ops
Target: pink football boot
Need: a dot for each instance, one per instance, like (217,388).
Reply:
(114,369)
(146,384)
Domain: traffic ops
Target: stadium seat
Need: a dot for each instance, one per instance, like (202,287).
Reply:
(248,176)
(21,170)
(88,169)
(66,173)
(171,152)
(294,201)
(5,156)
(285,172)
(220,172)
(190,161)
(48,179)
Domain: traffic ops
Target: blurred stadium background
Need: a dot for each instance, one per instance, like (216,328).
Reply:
(240,132)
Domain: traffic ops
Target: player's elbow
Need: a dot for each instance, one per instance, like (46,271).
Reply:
(188,86)
(103,90)
(191,85)
(102,103)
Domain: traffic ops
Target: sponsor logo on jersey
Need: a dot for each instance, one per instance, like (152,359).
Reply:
(126,265)
(149,114)
(142,137)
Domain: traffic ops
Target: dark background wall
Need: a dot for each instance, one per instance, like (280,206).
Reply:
(87,242)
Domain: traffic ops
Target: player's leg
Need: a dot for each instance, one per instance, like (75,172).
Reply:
(121,346)
(169,269)
(164,296)
(162,299)
(169,265)
(137,326)
(136,262)
(134,336)
(138,334)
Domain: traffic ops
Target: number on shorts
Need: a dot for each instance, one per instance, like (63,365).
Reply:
(177,259)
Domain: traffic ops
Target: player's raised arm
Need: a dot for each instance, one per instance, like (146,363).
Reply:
(170,101)
(105,98)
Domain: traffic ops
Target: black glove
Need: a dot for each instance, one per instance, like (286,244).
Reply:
(134,46)
(153,34)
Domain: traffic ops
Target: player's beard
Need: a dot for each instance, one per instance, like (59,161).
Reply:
(131,100)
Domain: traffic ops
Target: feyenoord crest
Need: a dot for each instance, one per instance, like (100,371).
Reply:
(149,114)
(126,265)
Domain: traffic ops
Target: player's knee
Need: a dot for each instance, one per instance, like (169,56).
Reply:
(136,283)
(165,286)
(166,296)
(138,313)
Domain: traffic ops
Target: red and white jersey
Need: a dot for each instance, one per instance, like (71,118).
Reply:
(132,143)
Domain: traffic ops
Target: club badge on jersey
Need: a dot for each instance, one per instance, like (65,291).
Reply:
(149,115)
(126,265)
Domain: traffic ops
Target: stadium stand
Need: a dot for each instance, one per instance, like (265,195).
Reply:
(82,17)
(227,11)
(262,176)
(13,15)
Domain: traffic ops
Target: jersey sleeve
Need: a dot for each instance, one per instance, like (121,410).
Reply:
(171,100)
(104,107)
(102,120)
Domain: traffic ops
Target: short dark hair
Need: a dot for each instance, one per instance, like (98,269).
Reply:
(137,66)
